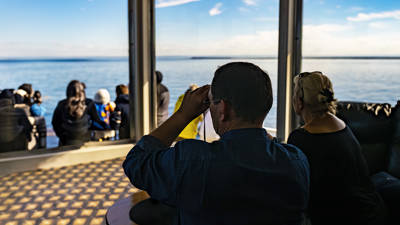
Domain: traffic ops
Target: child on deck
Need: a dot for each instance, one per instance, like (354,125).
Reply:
(37,109)
(105,109)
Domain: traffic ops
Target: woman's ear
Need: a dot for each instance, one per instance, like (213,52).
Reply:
(301,104)
(298,104)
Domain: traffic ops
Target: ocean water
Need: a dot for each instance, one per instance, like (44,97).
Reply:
(372,80)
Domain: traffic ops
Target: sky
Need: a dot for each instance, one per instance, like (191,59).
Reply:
(86,28)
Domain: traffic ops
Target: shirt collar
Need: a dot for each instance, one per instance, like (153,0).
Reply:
(244,132)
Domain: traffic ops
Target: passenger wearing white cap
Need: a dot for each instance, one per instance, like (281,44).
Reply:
(104,108)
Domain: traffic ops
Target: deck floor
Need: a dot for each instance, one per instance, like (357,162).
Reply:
(77,194)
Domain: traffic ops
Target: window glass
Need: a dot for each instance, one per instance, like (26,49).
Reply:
(355,43)
(48,43)
(195,37)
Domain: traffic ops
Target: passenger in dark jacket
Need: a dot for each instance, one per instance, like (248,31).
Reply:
(72,117)
(163,100)
(15,128)
(24,94)
(122,102)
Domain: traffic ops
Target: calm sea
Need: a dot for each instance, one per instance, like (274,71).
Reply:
(372,80)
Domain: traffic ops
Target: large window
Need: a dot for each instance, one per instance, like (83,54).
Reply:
(195,37)
(356,43)
(49,43)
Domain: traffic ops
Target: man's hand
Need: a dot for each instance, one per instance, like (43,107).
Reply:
(194,103)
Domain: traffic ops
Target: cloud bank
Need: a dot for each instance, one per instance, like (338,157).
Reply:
(318,40)
(373,16)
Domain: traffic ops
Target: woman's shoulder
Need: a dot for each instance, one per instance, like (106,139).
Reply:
(298,131)
(298,134)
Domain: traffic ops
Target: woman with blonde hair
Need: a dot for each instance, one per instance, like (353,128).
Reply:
(341,191)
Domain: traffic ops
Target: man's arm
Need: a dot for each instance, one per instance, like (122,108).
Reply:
(151,165)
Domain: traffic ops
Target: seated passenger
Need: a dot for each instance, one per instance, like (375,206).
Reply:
(191,130)
(72,117)
(341,189)
(23,97)
(104,109)
(162,98)
(243,178)
(23,94)
(122,102)
(15,128)
(37,109)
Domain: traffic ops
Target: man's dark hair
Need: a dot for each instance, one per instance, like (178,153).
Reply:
(37,97)
(121,89)
(159,77)
(27,87)
(76,97)
(246,87)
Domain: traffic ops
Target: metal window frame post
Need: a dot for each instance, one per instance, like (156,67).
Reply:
(142,82)
(289,63)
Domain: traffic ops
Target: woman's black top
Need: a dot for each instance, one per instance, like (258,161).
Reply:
(341,191)
(71,130)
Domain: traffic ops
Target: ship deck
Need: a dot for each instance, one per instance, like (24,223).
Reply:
(78,194)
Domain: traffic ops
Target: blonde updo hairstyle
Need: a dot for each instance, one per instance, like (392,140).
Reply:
(316,91)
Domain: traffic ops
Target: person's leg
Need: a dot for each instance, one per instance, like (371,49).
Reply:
(152,212)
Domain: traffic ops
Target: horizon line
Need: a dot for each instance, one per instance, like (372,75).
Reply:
(171,57)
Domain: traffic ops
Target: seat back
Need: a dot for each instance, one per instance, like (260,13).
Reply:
(373,127)
(394,161)
(14,126)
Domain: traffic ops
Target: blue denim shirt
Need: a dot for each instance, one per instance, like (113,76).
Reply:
(244,178)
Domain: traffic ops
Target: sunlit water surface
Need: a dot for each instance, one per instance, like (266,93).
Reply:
(355,80)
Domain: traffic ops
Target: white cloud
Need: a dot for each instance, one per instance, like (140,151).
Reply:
(378,25)
(334,39)
(259,43)
(326,28)
(169,3)
(372,16)
(216,10)
(318,40)
(249,2)
(11,49)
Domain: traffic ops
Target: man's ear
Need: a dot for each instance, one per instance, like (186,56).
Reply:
(225,111)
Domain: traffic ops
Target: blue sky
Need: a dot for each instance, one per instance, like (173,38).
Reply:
(48,28)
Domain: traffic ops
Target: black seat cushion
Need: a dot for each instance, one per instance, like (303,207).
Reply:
(373,127)
(389,188)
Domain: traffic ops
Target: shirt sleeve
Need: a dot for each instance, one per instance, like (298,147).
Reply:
(153,167)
